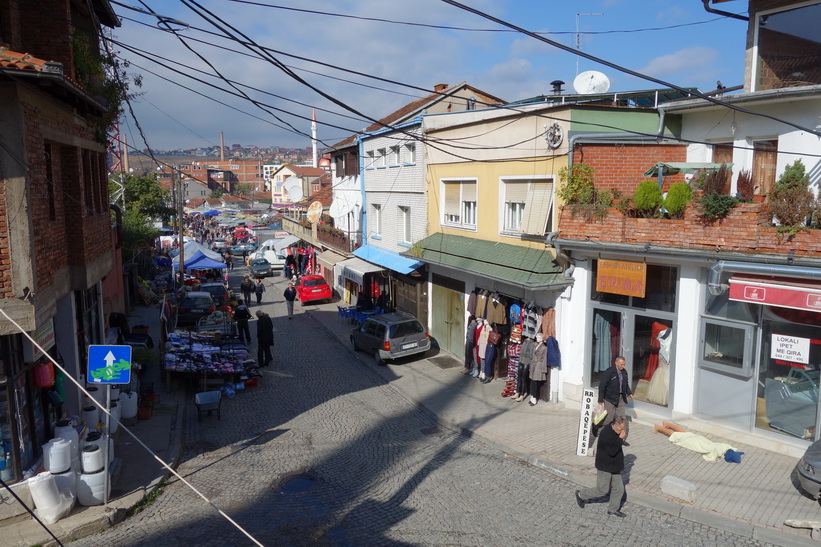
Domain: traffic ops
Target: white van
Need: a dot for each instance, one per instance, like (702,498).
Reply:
(266,251)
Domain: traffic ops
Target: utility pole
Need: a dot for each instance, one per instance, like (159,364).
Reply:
(578,37)
(177,181)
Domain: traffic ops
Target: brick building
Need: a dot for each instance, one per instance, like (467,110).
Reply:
(55,229)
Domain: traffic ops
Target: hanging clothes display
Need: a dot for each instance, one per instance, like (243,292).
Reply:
(653,360)
(660,383)
(601,332)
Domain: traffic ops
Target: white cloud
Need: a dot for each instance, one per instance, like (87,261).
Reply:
(690,61)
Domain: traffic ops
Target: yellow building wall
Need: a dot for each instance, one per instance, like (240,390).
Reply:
(489,199)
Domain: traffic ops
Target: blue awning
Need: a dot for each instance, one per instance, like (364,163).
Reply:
(388,259)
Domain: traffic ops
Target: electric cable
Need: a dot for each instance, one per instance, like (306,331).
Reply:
(625,70)
(127,430)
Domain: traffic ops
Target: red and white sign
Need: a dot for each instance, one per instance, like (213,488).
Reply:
(776,291)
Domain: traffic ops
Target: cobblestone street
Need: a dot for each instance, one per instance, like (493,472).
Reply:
(375,470)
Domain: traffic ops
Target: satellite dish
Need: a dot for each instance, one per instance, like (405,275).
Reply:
(294,188)
(590,82)
(314,211)
(339,207)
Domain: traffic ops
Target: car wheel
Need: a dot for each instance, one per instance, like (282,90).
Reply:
(355,345)
(379,361)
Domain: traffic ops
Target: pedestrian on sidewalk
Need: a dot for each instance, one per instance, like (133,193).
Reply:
(614,390)
(609,465)
(265,338)
(229,259)
(242,315)
(246,288)
(259,288)
(290,296)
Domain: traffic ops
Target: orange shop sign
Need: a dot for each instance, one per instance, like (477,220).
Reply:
(627,278)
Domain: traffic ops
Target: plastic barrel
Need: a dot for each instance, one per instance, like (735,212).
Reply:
(90,488)
(44,491)
(91,416)
(67,481)
(57,455)
(116,414)
(128,405)
(92,459)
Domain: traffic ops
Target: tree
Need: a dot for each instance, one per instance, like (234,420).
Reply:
(144,194)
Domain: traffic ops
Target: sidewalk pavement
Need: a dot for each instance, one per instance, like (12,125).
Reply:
(752,499)
(136,473)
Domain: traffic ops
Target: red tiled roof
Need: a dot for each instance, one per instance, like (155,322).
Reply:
(195,202)
(324,196)
(414,106)
(214,202)
(306,171)
(19,61)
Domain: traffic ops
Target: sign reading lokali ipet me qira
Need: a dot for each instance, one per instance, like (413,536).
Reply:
(109,364)
(790,348)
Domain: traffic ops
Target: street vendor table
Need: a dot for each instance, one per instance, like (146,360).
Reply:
(207,357)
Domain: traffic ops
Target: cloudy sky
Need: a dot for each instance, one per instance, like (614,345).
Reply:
(352,60)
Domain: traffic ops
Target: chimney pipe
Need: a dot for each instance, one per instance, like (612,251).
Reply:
(222,147)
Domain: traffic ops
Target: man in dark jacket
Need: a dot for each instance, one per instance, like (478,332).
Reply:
(609,465)
(242,315)
(290,296)
(247,288)
(614,390)
(265,338)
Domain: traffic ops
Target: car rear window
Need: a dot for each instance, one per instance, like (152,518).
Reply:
(314,283)
(197,302)
(407,328)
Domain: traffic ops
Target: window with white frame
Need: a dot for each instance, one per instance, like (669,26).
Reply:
(527,204)
(377,219)
(410,152)
(380,157)
(369,160)
(394,159)
(459,208)
(405,216)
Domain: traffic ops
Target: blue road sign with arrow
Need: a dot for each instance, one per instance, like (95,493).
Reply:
(109,364)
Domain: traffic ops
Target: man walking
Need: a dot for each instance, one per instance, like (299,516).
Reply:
(242,315)
(609,465)
(259,288)
(614,390)
(290,296)
(246,288)
(265,338)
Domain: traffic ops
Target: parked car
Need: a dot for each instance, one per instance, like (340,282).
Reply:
(219,245)
(194,306)
(809,470)
(391,336)
(259,268)
(312,288)
(219,292)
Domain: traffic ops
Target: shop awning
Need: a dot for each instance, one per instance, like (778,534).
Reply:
(529,268)
(356,268)
(286,241)
(329,258)
(685,167)
(388,259)
(784,292)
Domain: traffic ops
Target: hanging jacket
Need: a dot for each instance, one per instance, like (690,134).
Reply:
(554,356)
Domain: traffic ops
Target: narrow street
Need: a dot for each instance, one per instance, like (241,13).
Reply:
(370,469)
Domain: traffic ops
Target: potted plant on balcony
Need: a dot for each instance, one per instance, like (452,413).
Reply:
(678,197)
(791,201)
(648,198)
(713,204)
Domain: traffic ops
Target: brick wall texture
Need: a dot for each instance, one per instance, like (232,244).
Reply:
(622,166)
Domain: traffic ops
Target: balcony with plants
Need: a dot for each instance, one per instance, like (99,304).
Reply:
(698,214)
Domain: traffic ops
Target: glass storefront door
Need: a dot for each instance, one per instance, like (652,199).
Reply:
(788,373)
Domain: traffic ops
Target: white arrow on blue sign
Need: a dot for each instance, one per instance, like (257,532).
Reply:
(109,364)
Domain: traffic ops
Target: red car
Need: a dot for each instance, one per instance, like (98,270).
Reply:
(311,288)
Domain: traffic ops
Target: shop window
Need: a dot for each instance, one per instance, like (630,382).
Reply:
(727,347)
(789,373)
(661,285)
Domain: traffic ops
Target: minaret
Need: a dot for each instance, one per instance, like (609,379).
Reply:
(313,135)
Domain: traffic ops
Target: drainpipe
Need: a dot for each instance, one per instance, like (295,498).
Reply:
(363,218)
(550,241)
(715,286)
(724,13)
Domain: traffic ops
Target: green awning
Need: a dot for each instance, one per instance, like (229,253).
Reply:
(685,167)
(519,266)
